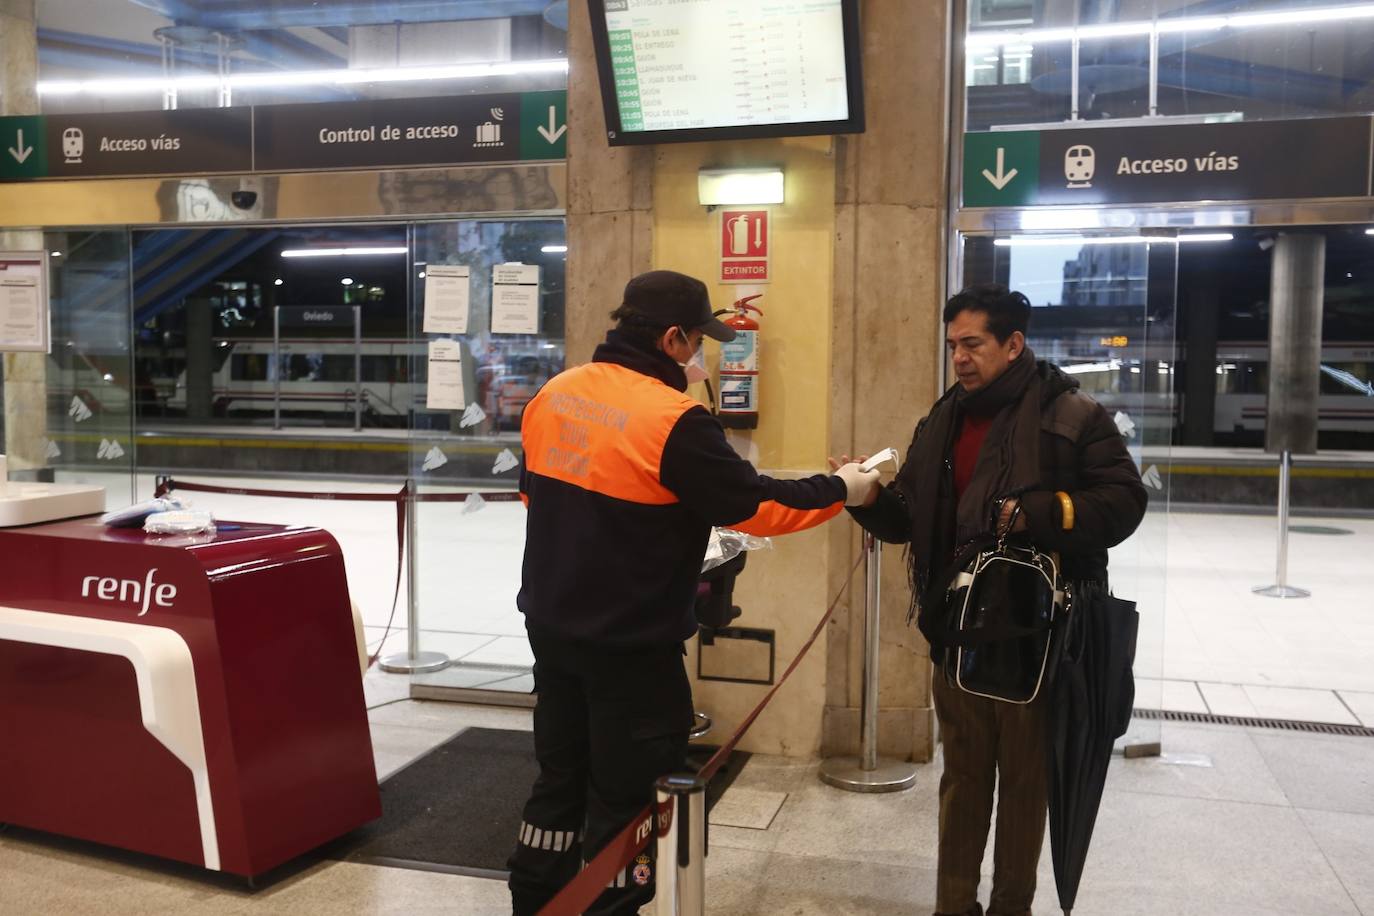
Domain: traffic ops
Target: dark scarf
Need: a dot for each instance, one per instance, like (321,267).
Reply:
(1009,462)
(624,350)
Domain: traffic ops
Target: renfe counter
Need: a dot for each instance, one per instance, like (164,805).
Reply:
(192,697)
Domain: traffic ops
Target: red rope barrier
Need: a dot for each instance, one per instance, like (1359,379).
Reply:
(401,498)
(579,893)
(583,890)
(166,485)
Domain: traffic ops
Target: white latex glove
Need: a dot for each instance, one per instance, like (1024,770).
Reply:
(861,487)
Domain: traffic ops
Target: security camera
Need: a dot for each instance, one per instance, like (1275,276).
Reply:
(244,200)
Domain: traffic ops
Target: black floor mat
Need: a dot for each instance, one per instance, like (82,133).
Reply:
(458,807)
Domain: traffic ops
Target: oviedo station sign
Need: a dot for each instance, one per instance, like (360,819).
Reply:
(1244,160)
(497,127)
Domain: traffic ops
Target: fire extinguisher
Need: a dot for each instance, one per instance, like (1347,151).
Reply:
(739,369)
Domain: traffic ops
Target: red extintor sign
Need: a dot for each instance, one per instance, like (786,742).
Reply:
(744,246)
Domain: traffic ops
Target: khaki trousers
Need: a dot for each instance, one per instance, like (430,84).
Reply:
(989,744)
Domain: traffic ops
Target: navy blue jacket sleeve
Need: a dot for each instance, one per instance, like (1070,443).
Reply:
(722,488)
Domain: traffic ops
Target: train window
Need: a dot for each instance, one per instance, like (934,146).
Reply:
(389,369)
(336,368)
(1242,378)
(248,367)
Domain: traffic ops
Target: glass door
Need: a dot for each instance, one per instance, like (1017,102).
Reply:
(486,325)
(1103,311)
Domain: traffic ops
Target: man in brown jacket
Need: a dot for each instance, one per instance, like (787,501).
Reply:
(1011,425)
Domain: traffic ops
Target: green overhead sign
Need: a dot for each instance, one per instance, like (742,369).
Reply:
(26,154)
(363,134)
(1001,169)
(1308,158)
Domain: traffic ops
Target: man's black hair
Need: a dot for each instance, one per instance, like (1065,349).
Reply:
(638,328)
(1008,311)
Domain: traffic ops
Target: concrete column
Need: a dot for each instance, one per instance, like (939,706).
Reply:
(1199,379)
(1295,342)
(200,382)
(25,374)
(858,243)
(610,202)
(888,250)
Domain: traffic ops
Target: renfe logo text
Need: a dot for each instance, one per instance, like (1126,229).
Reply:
(130,591)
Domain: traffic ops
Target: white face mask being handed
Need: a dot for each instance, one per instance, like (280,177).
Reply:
(696,366)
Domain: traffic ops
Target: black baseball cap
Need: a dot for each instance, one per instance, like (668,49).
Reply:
(667,298)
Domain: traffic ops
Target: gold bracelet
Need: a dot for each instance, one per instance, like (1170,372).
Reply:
(1066,509)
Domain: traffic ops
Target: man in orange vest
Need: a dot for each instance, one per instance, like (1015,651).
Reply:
(624,475)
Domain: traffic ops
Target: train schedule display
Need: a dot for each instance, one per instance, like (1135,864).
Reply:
(674,71)
(721,63)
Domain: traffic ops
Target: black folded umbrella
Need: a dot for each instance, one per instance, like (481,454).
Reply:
(1090,707)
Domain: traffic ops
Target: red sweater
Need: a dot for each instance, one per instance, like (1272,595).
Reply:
(972,431)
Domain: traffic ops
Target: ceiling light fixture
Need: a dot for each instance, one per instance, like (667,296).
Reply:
(1032,241)
(338,77)
(341,252)
(1181,24)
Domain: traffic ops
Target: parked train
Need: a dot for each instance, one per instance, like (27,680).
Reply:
(1345,401)
(319,379)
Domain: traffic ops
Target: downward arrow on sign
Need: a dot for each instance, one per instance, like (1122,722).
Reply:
(1000,180)
(23,151)
(553,131)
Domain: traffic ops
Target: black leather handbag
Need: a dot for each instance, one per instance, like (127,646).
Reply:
(1002,609)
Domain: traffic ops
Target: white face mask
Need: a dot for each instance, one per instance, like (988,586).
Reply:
(696,366)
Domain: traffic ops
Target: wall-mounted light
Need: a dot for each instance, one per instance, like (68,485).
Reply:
(554,249)
(716,187)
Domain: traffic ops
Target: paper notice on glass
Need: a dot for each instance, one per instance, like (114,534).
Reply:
(445,389)
(446,299)
(515,299)
(23,302)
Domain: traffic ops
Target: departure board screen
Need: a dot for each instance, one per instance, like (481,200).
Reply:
(703,69)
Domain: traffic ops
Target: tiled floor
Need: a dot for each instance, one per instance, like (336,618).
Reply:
(1229,822)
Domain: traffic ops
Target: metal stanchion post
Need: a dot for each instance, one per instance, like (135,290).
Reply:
(413,661)
(1281,588)
(868,772)
(680,889)
(276,367)
(357,368)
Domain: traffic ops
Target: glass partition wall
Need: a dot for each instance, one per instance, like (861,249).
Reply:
(311,360)
(1103,310)
(69,412)
(1047,63)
